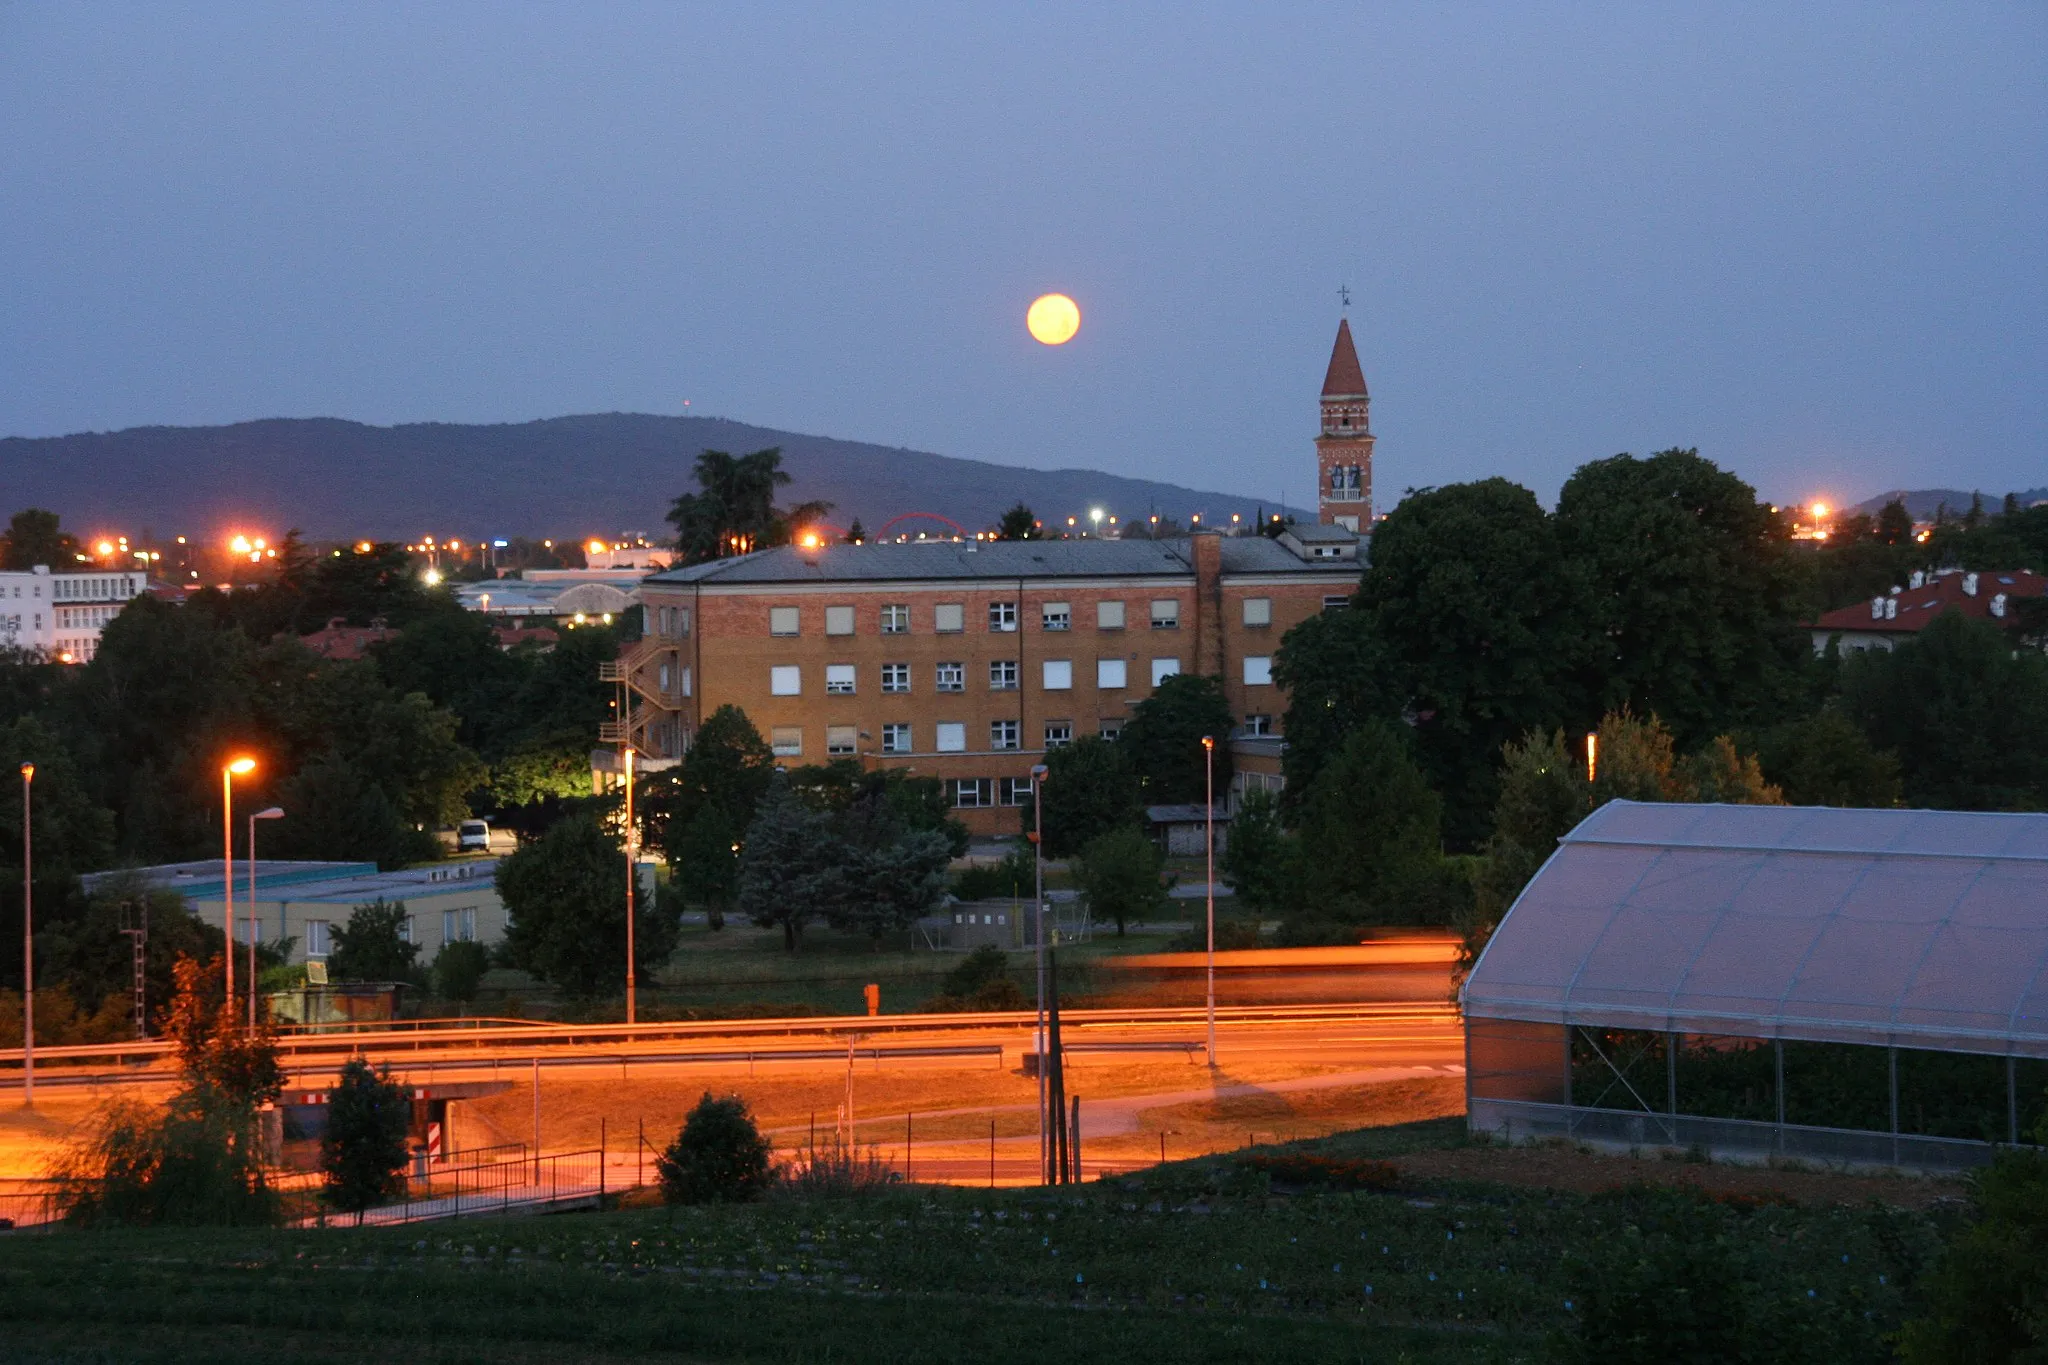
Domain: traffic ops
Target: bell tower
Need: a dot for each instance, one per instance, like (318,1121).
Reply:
(1344,449)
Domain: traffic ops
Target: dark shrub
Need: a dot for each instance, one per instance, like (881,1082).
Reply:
(718,1157)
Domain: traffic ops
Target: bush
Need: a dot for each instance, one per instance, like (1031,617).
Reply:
(362,1154)
(981,982)
(459,970)
(718,1157)
(1014,878)
(837,1171)
(1336,1173)
(184,1166)
(1987,1298)
(1232,935)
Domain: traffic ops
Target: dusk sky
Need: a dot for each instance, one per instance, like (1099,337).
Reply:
(1810,240)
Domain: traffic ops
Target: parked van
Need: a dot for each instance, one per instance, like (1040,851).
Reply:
(473,836)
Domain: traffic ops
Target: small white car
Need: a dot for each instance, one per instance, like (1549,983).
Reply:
(473,835)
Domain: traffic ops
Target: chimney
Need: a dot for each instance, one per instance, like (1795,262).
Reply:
(1877,609)
(1891,608)
(1207,548)
(1969,585)
(1998,606)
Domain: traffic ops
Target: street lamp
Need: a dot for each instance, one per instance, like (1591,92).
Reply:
(632,982)
(28,948)
(1209,819)
(229,771)
(1038,773)
(274,813)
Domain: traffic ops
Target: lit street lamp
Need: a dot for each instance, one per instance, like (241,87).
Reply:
(1209,820)
(255,930)
(229,771)
(632,981)
(28,948)
(1038,772)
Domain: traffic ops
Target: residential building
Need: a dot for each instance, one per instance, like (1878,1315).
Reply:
(61,614)
(1905,611)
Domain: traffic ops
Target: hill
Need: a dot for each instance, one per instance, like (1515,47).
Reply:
(1924,502)
(564,476)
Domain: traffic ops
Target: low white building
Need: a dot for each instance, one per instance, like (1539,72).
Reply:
(60,615)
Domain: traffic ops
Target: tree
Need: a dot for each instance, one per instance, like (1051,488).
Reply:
(452,658)
(888,883)
(1482,624)
(566,897)
(1259,860)
(786,863)
(1824,760)
(33,538)
(1336,673)
(333,812)
(1017,524)
(728,769)
(1983,1300)
(1163,739)
(1894,523)
(72,832)
(733,509)
(459,969)
(1119,874)
(1965,713)
(856,534)
(363,1151)
(1374,826)
(1543,794)
(1693,598)
(372,946)
(719,1156)
(704,863)
(1089,789)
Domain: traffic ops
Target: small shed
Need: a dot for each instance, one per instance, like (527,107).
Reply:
(1183,831)
(1857,986)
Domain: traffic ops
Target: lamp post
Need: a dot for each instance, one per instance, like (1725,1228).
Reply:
(229,771)
(255,930)
(1038,771)
(1209,839)
(28,947)
(632,872)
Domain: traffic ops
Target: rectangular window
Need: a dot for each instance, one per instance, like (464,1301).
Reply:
(1109,616)
(1336,603)
(782,620)
(1055,615)
(1002,734)
(839,680)
(895,677)
(405,929)
(1109,674)
(1059,675)
(1258,611)
(459,926)
(1110,727)
(787,741)
(1162,669)
(1002,675)
(317,943)
(949,618)
(1002,616)
(951,677)
(896,739)
(1014,791)
(1058,733)
(972,793)
(952,737)
(896,619)
(841,740)
(785,680)
(1256,725)
(1166,613)
(839,620)
(1258,670)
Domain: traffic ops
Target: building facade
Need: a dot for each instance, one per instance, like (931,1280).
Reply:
(967,661)
(1344,447)
(60,615)
(1891,618)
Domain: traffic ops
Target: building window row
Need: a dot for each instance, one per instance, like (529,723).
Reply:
(950,618)
(948,737)
(1055,675)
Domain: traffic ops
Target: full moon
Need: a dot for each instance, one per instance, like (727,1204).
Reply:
(1053,319)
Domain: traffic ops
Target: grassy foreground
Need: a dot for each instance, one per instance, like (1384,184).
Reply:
(1201,1261)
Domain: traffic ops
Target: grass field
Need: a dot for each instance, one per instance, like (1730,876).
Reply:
(1199,1261)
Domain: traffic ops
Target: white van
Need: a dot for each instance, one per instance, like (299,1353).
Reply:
(473,835)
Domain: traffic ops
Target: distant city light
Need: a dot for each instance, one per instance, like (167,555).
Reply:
(500,544)
(105,547)
(1819,510)
(432,577)
(596,547)
(809,540)
(240,545)
(363,547)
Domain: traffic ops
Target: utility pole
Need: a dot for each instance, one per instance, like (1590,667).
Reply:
(255,929)
(1038,771)
(28,945)
(632,875)
(1209,819)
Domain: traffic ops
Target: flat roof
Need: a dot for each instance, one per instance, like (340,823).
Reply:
(1891,927)
(332,883)
(999,559)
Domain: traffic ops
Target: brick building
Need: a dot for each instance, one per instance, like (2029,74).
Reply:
(1344,448)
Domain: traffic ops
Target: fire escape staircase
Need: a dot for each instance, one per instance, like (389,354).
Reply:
(642,699)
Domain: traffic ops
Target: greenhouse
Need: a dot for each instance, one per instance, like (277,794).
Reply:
(1864,987)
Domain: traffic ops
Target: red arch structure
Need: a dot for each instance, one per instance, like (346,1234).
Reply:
(883,534)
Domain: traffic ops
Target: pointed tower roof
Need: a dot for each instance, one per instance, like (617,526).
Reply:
(1345,379)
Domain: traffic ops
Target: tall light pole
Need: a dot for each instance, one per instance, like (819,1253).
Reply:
(632,874)
(255,929)
(1038,771)
(229,771)
(28,946)
(1209,824)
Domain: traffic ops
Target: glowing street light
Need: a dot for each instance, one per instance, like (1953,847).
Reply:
(229,771)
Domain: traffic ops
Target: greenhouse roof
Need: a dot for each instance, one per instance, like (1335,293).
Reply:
(1916,928)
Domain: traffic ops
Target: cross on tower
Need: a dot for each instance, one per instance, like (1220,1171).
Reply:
(1344,294)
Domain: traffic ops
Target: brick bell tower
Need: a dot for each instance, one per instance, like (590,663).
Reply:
(1344,450)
